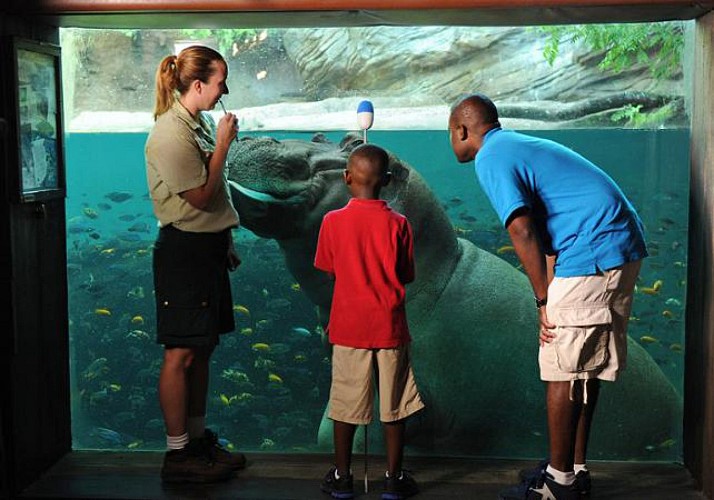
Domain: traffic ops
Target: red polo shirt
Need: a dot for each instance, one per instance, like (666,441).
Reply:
(368,248)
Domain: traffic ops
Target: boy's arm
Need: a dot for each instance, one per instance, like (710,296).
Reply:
(323,253)
(406,256)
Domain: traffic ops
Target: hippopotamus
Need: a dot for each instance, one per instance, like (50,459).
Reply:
(471,314)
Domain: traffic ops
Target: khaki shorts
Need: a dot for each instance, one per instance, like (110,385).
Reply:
(352,391)
(591,315)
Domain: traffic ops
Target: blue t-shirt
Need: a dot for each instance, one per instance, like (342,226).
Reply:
(581,215)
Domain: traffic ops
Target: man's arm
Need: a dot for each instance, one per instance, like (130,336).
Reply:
(528,248)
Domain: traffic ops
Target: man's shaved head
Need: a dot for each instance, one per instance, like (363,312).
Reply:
(474,109)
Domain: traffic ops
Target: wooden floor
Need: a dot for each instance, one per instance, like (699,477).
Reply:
(113,475)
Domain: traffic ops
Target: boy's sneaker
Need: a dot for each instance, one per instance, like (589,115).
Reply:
(337,486)
(188,466)
(399,486)
(583,483)
(543,488)
(212,449)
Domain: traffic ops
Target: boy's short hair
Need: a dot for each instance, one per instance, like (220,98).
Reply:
(373,153)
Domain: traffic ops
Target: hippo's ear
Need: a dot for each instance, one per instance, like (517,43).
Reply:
(350,141)
(399,171)
(320,138)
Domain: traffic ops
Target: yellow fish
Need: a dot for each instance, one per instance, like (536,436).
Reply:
(649,290)
(300,358)
(133,444)
(246,331)
(90,212)
(137,320)
(241,309)
(260,346)
(505,249)
(115,387)
(648,339)
(272,377)
(676,347)
(227,400)
(657,285)
(102,312)
(668,314)
(295,287)
(108,251)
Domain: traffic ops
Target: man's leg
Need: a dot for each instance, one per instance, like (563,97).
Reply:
(563,416)
(585,421)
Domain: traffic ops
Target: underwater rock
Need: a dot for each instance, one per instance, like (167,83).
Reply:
(471,314)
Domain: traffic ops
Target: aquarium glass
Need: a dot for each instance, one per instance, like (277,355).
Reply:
(270,378)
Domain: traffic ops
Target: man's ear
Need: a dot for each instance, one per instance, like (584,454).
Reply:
(463,132)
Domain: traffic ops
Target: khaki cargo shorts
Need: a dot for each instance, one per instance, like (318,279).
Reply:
(352,391)
(591,315)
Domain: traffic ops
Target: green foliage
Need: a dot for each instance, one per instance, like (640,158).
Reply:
(225,38)
(632,116)
(657,44)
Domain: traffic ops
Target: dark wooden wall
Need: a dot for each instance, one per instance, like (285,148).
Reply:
(699,360)
(34,348)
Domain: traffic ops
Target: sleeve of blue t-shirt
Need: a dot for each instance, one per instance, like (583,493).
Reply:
(503,181)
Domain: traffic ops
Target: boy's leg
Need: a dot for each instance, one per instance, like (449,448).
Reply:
(394,440)
(344,434)
(563,416)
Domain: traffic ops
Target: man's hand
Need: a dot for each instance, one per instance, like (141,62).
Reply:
(545,330)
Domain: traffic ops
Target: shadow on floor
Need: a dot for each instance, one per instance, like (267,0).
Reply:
(131,476)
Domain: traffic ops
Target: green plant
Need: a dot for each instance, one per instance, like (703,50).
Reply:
(633,116)
(225,38)
(657,44)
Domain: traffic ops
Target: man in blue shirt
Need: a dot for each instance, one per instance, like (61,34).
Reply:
(581,244)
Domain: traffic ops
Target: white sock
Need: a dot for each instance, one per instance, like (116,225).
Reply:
(176,442)
(580,468)
(196,427)
(564,478)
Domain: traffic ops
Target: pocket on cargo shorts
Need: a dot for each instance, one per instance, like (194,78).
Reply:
(184,313)
(582,338)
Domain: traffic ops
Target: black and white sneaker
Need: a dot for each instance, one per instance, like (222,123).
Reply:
(583,483)
(337,486)
(399,486)
(543,488)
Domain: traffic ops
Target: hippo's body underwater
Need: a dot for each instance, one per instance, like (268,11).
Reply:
(471,314)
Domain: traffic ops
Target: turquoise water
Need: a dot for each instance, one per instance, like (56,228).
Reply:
(115,361)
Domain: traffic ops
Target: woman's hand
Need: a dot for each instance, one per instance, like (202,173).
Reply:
(227,129)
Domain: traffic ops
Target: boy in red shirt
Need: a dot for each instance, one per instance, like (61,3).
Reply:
(367,247)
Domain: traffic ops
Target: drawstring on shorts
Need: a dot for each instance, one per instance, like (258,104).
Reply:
(571,394)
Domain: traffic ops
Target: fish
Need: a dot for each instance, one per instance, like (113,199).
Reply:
(137,334)
(227,401)
(136,293)
(90,213)
(127,217)
(273,377)
(261,347)
(668,314)
(241,309)
(115,387)
(108,251)
(102,311)
(676,347)
(118,196)
(137,320)
(300,358)
(295,287)
(505,249)
(302,331)
(261,75)
(108,435)
(246,331)
(104,206)
(648,339)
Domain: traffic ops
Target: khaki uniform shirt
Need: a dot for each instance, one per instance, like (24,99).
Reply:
(177,154)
